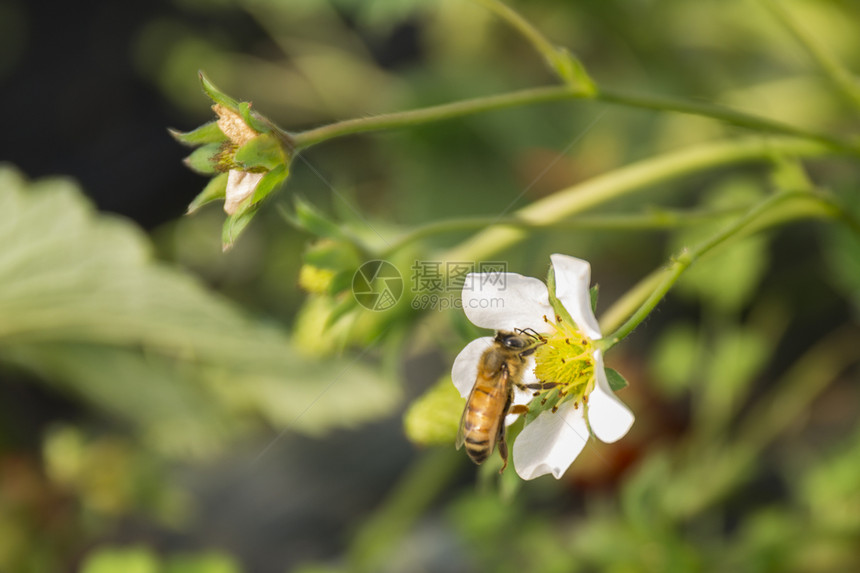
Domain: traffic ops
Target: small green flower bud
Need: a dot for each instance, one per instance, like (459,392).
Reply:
(316,280)
(246,153)
(434,418)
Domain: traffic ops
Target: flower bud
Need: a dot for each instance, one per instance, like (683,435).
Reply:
(245,153)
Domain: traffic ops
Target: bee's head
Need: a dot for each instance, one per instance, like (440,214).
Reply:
(518,340)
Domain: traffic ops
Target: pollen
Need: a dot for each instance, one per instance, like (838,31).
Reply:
(565,362)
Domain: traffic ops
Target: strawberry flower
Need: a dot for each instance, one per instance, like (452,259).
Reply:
(577,400)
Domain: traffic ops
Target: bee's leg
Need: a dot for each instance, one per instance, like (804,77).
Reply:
(539,387)
(503,447)
(542,385)
(519,409)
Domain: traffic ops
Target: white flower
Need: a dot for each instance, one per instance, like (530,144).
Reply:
(240,186)
(568,358)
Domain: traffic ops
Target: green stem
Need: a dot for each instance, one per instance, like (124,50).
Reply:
(725,114)
(839,76)
(431,114)
(750,221)
(625,181)
(651,219)
(524,27)
(529,96)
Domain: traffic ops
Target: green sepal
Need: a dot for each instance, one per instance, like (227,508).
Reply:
(556,305)
(541,404)
(215,190)
(235,224)
(269,183)
(206,133)
(616,380)
(593,292)
(345,305)
(252,119)
(341,281)
(571,70)
(204,159)
(314,221)
(217,95)
(261,151)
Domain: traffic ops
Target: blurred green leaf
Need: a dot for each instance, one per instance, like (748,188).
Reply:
(734,359)
(202,563)
(675,358)
(727,278)
(114,560)
(86,307)
(842,254)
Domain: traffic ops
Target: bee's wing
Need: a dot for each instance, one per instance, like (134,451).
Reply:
(492,381)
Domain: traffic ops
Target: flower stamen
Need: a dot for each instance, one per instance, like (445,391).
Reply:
(566,362)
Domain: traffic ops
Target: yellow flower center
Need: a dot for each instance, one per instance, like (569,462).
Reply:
(565,363)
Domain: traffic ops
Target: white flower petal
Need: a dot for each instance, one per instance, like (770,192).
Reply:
(240,186)
(465,369)
(572,281)
(505,301)
(609,417)
(551,442)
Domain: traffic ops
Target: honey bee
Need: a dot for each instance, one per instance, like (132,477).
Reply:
(500,367)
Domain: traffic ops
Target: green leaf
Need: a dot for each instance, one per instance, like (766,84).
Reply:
(616,380)
(88,310)
(215,190)
(170,406)
(216,94)
(261,151)
(112,560)
(206,133)
(202,159)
